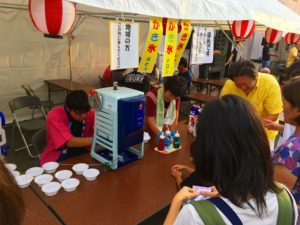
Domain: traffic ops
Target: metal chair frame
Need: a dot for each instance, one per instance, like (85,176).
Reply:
(32,124)
(39,140)
(29,91)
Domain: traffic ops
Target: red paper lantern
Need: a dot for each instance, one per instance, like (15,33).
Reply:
(272,36)
(242,29)
(164,23)
(291,38)
(52,17)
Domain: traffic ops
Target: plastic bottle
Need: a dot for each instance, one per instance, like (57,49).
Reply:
(168,138)
(3,149)
(193,117)
(196,118)
(168,133)
(161,143)
(176,143)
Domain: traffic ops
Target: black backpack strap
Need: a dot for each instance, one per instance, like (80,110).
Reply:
(226,210)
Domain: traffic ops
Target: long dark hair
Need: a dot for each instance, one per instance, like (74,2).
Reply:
(233,151)
(12,205)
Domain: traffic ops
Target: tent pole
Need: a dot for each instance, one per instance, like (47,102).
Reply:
(70,60)
(229,38)
(70,38)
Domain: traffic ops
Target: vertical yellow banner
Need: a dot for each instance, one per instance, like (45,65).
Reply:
(186,30)
(170,48)
(152,46)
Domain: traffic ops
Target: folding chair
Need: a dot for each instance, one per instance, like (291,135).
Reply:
(28,125)
(46,104)
(39,140)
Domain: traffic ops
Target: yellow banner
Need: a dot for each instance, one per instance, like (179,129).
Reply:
(152,46)
(186,30)
(170,48)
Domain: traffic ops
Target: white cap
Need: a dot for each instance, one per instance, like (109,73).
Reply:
(168,132)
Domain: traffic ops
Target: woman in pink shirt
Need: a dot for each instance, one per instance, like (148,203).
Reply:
(70,128)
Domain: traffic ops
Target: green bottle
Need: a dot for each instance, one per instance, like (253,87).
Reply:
(176,143)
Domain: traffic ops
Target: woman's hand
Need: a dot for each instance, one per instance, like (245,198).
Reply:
(178,167)
(271,125)
(182,168)
(185,194)
(213,193)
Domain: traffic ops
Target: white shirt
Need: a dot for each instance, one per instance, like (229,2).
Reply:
(189,216)
(288,131)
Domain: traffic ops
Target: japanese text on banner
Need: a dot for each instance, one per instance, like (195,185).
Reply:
(170,47)
(202,45)
(124,42)
(183,40)
(152,46)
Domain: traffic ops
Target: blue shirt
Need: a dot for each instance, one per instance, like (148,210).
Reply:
(187,76)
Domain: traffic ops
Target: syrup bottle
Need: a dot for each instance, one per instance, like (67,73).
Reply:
(176,143)
(168,133)
(161,143)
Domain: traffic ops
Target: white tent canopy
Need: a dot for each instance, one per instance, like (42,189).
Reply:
(270,13)
(27,57)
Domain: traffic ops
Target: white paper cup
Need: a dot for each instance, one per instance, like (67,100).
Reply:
(51,188)
(63,174)
(91,174)
(70,184)
(35,171)
(24,180)
(15,173)
(79,168)
(11,166)
(50,167)
(43,179)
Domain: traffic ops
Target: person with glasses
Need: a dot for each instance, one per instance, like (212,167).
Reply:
(261,90)
(70,128)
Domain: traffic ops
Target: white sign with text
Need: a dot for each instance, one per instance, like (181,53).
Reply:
(202,45)
(124,45)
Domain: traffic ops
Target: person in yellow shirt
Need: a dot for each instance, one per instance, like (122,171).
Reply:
(261,89)
(292,56)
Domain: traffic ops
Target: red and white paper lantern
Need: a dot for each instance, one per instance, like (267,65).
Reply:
(272,36)
(291,38)
(242,29)
(52,17)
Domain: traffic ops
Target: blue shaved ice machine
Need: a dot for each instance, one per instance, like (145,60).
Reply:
(119,126)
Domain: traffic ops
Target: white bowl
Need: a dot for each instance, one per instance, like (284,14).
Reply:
(51,188)
(24,180)
(70,184)
(50,167)
(35,171)
(79,168)
(63,174)
(11,166)
(91,174)
(43,179)
(15,173)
